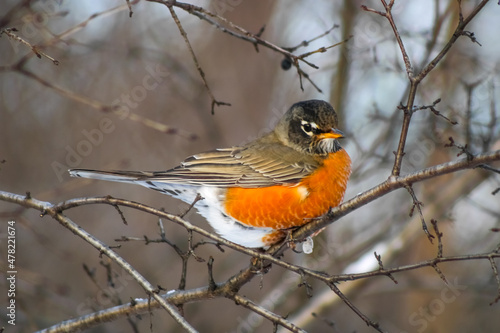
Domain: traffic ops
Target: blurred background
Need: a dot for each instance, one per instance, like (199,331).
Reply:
(51,119)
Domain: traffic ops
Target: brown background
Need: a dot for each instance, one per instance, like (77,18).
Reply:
(365,81)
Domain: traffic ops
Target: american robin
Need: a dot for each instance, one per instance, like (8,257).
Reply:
(255,193)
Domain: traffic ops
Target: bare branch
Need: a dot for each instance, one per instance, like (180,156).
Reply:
(274,318)
(360,314)
(418,204)
(439,236)
(497,278)
(390,185)
(381,267)
(415,80)
(193,55)
(234,30)
(36,50)
(55,213)
(432,107)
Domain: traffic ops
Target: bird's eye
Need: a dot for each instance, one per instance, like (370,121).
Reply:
(310,128)
(307,128)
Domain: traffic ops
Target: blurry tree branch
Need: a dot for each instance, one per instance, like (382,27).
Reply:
(53,211)
(232,285)
(122,113)
(260,262)
(415,80)
(234,30)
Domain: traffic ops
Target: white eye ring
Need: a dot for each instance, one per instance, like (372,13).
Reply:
(309,127)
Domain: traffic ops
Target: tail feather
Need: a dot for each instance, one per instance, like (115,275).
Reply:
(184,192)
(114,176)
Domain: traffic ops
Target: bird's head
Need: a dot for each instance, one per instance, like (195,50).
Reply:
(310,126)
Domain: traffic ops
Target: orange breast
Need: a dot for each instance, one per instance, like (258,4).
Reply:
(282,207)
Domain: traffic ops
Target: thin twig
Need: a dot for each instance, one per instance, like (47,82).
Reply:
(388,15)
(35,49)
(439,272)
(497,278)
(306,43)
(360,314)
(51,210)
(381,267)
(439,236)
(274,318)
(418,204)
(236,31)
(121,214)
(116,109)
(235,282)
(195,59)
(464,149)
(415,80)
(198,198)
(432,107)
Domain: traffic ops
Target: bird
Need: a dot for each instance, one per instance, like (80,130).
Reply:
(255,194)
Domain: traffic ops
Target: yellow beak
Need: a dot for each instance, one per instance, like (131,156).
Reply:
(333,134)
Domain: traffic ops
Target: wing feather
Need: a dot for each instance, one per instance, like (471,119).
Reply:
(256,165)
(240,166)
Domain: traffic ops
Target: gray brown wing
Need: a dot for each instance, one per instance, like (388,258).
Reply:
(240,167)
